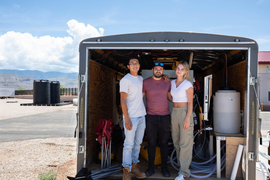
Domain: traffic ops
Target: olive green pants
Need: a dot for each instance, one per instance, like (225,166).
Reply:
(182,138)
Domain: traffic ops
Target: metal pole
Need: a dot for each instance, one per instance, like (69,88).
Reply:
(218,157)
(105,158)
(110,151)
(102,152)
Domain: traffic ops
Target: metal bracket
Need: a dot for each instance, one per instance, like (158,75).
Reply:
(251,156)
(83,78)
(81,149)
(221,138)
(253,81)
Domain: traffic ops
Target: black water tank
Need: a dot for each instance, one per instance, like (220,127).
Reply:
(42,92)
(55,92)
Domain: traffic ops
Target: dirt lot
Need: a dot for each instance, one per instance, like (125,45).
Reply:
(27,159)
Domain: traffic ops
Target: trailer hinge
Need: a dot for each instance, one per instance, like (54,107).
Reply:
(82,78)
(253,80)
(251,156)
(81,149)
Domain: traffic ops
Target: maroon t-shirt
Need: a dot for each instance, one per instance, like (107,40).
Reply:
(156,92)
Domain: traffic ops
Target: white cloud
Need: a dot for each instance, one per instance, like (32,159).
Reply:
(45,53)
(79,31)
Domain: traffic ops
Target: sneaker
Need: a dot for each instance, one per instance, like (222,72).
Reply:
(181,177)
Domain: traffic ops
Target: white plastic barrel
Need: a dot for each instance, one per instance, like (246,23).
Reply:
(226,111)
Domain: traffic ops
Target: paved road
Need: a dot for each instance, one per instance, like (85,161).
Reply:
(265,115)
(59,122)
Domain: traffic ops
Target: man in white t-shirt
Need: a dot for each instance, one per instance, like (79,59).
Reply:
(134,119)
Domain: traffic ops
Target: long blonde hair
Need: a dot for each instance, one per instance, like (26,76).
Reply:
(186,67)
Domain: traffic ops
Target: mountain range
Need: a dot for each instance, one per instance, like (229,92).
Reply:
(23,79)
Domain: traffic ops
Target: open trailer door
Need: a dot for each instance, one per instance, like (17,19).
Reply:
(104,51)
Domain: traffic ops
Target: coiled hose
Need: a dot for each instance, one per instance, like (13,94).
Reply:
(200,167)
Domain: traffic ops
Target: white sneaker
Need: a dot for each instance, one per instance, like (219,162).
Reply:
(181,177)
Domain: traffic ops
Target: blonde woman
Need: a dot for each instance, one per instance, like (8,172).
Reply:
(181,95)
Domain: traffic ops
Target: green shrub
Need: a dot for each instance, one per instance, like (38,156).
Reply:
(47,176)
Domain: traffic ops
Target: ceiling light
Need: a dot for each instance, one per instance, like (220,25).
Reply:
(166,40)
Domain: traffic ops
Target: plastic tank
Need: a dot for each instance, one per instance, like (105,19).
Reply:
(55,92)
(42,92)
(227,111)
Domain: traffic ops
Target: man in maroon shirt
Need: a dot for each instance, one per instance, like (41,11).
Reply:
(156,90)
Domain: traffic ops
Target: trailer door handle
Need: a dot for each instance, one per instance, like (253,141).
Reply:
(80,134)
(76,125)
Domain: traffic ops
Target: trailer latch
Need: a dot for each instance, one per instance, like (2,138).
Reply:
(83,78)
(81,149)
(253,80)
(251,156)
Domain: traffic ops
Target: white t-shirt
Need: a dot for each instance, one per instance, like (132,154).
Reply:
(132,85)
(179,93)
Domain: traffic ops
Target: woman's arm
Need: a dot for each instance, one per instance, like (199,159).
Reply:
(166,77)
(169,96)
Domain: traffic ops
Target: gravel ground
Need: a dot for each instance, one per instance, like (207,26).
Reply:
(25,160)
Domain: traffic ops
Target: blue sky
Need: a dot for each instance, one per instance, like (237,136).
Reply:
(44,35)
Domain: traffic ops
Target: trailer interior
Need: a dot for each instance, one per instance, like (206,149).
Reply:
(104,68)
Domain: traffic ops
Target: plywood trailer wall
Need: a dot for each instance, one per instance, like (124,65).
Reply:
(101,102)
(237,80)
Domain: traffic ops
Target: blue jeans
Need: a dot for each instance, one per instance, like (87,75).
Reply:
(133,141)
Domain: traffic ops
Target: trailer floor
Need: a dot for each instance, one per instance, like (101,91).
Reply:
(157,175)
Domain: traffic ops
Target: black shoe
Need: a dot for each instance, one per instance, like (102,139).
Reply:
(150,171)
(165,172)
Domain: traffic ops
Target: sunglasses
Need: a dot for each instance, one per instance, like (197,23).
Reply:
(159,64)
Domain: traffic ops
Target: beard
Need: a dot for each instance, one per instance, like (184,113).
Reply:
(157,75)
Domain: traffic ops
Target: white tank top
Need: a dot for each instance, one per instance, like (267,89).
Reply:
(179,93)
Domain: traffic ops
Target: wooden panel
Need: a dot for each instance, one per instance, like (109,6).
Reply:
(237,80)
(231,151)
(229,134)
(101,101)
